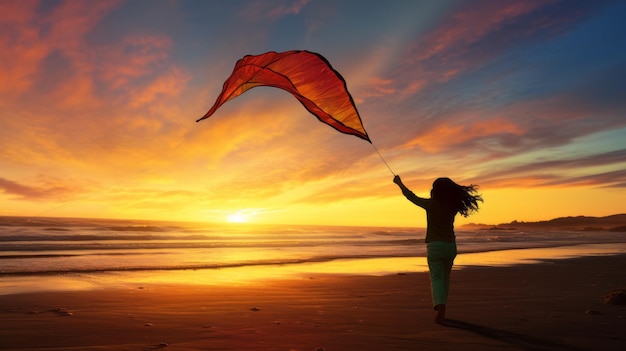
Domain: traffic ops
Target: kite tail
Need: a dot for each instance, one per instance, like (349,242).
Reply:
(382,158)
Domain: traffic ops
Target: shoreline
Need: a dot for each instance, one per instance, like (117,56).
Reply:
(542,306)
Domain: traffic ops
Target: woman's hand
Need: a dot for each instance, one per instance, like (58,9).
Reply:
(397,180)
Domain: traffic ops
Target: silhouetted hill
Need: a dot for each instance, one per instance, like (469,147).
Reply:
(615,223)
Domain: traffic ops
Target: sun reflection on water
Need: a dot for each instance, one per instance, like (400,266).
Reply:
(254,274)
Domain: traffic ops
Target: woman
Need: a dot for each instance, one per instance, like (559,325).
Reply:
(446,200)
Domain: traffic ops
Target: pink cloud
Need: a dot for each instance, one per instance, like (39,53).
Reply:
(553,178)
(169,84)
(135,57)
(20,50)
(565,171)
(81,101)
(474,34)
(445,135)
(376,87)
(492,134)
(470,25)
(24,44)
(69,22)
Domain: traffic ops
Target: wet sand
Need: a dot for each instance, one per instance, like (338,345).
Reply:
(553,305)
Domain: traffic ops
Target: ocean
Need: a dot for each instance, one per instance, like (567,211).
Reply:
(49,253)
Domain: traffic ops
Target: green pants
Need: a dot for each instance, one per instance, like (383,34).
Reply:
(440,255)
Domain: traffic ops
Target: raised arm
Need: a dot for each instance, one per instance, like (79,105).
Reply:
(419,201)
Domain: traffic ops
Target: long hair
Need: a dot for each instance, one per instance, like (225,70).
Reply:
(463,199)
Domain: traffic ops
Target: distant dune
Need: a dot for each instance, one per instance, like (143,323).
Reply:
(615,223)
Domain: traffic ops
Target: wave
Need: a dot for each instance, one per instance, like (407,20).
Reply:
(93,237)
(139,228)
(28,270)
(213,265)
(61,255)
(102,245)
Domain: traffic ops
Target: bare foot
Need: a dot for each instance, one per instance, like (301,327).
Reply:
(441,314)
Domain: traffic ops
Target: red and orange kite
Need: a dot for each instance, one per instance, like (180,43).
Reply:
(306,75)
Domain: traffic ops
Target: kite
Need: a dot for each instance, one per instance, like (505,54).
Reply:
(308,76)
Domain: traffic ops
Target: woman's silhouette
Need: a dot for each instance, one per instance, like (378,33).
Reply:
(446,200)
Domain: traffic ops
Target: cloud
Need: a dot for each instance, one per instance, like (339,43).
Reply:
(562,171)
(24,43)
(608,158)
(448,135)
(19,51)
(376,87)
(137,56)
(169,84)
(351,189)
(274,9)
(487,132)
(32,193)
(70,100)
(291,8)
(476,33)
(469,25)
(480,31)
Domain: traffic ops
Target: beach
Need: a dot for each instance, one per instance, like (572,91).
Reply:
(546,305)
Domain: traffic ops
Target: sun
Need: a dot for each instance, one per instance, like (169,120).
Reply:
(236,217)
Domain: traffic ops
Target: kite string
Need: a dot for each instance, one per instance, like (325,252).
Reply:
(382,158)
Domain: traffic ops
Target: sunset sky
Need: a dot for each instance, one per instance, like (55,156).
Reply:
(98,102)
